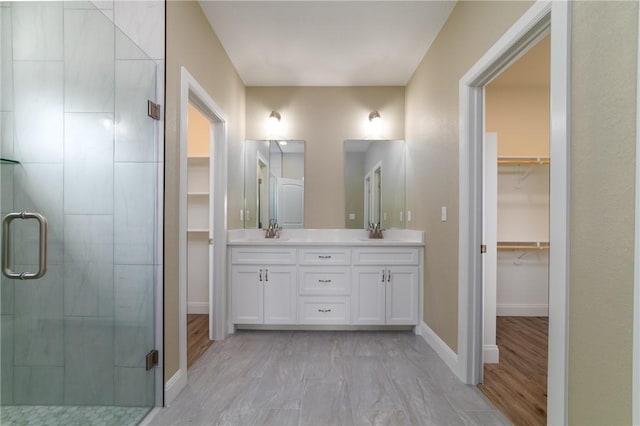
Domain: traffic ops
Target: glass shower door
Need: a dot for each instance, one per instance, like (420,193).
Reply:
(80,151)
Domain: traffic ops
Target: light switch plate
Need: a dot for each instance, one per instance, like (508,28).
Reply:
(352,216)
(443,214)
(409,216)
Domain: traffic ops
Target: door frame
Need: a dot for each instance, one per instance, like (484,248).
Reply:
(531,25)
(490,351)
(635,394)
(192,91)
(367,200)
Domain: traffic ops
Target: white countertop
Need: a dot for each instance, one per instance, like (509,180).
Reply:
(325,237)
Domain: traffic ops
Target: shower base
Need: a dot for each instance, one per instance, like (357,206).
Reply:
(52,415)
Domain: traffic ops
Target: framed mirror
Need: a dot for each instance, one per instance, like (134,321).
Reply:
(374,183)
(274,184)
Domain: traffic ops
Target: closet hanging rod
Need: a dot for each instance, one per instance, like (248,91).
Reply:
(523,160)
(517,245)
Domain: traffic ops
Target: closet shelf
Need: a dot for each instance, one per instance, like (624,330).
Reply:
(523,160)
(520,245)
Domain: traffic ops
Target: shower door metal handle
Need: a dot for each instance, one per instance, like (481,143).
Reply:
(6,245)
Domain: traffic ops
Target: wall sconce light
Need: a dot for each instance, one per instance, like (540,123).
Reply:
(375,125)
(274,117)
(273,125)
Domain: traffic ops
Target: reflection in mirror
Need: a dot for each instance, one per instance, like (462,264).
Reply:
(374,183)
(274,184)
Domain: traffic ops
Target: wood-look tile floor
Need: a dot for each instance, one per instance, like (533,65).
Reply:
(197,337)
(518,384)
(325,378)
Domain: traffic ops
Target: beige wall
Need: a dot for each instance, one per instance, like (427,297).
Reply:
(192,43)
(517,104)
(324,117)
(432,142)
(293,165)
(520,117)
(198,133)
(603,89)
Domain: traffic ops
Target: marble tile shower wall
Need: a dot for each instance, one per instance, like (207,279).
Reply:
(73,93)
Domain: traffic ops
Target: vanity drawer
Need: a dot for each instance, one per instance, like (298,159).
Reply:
(263,255)
(324,280)
(325,256)
(386,256)
(324,310)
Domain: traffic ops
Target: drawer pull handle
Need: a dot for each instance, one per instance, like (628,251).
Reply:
(266,275)
(383,275)
(324,310)
(324,257)
(388,275)
(260,275)
(324,281)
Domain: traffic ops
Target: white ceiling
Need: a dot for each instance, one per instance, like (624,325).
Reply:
(326,43)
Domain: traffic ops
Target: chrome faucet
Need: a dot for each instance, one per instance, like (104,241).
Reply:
(273,231)
(375,231)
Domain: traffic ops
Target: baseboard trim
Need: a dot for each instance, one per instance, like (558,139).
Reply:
(198,308)
(522,310)
(437,344)
(490,354)
(174,386)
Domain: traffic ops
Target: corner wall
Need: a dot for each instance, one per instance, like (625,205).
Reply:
(603,131)
(192,43)
(431,120)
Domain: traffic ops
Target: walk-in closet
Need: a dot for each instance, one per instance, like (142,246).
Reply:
(517,114)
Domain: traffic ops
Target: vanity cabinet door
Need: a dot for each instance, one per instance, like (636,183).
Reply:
(247,294)
(368,295)
(280,294)
(402,295)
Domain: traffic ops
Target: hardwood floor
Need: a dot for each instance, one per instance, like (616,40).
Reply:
(518,384)
(197,337)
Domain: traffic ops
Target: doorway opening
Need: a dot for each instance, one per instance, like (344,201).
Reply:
(542,18)
(191,92)
(516,235)
(199,177)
